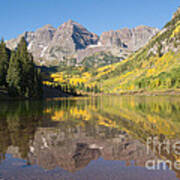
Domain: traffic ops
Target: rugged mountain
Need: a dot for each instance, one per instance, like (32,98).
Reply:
(133,39)
(120,43)
(156,66)
(38,41)
(49,46)
(42,37)
(68,39)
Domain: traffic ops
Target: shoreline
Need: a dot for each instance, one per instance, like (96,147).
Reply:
(151,93)
(139,93)
(6,97)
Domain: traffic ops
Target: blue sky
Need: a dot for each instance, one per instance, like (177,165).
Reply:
(18,16)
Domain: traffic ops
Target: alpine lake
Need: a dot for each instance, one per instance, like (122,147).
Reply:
(91,138)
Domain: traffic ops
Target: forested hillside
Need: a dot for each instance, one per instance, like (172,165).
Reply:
(18,73)
(154,67)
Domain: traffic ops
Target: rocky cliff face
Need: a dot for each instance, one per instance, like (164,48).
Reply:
(69,38)
(132,39)
(38,41)
(49,46)
(120,43)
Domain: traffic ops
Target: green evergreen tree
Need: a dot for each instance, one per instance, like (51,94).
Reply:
(37,87)
(31,81)
(23,78)
(14,76)
(4,62)
(27,67)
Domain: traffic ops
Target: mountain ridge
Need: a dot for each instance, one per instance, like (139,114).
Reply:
(153,68)
(50,45)
(156,66)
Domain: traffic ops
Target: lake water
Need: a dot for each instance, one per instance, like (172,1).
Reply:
(90,138)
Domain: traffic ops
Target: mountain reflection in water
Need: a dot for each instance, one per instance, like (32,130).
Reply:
(70,133)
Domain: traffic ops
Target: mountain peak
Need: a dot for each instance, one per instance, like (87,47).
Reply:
(46,27)
(133,39)
(141,27)
(70,24)
(70,21)
(71,38)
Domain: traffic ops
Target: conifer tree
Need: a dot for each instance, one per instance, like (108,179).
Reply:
(31,82)
(27,68)
(4,62)
(23,78)
(14,76)
(37,87)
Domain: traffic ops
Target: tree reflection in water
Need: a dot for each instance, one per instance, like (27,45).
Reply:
(71,132)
